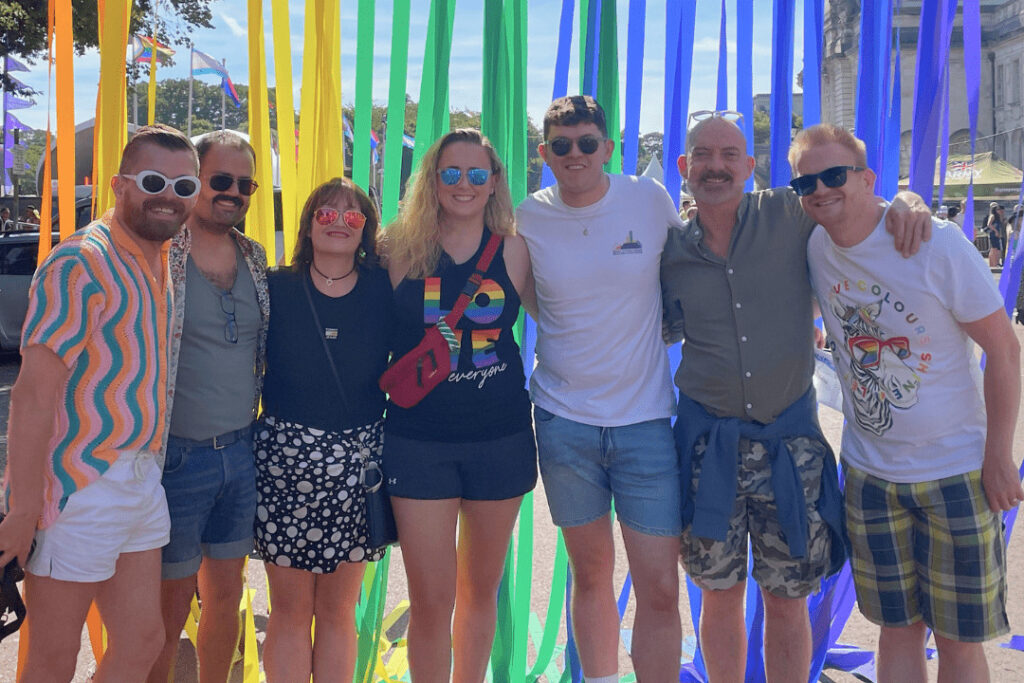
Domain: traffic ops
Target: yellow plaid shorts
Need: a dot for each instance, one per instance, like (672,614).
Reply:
(929,551)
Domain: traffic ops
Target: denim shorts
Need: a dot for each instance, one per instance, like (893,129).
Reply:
(584,467)
(211,496)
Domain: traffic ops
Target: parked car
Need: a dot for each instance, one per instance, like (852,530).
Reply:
(18,254)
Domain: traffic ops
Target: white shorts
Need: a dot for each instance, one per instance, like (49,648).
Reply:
(124,511)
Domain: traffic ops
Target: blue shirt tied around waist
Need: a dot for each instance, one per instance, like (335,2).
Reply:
(716,490)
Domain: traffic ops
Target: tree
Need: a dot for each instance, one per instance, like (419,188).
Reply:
(172,105)
(23,25)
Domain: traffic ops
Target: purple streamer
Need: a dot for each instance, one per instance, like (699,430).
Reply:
(634,84)
(1016,643)
(722,100)
(814,12)
(745,74)
(679,19)
(561,86)
(783,18)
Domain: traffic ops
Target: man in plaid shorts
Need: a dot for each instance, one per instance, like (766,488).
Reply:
(927,442)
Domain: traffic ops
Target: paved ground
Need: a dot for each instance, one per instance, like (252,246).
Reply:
(1005,664)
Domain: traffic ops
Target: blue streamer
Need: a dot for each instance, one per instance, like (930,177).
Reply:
(592,49)
(814,12)
(679,20)
(932,52)
(745,74)
(722,100)
(872,69)
(972,75)
(634,84)
(944,138)
(783,18)
(889,171)
(561,86)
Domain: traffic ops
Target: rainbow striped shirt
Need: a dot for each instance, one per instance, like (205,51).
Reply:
(96,304)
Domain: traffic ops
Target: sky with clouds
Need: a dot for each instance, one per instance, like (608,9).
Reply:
(228,40)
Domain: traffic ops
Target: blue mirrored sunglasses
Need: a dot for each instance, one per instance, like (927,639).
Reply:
(475,176)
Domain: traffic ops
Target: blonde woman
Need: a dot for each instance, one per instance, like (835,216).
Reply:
(465,454)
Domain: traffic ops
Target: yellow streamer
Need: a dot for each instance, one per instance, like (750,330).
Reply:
(260,221)
(285,127)
(65,121)
(111,103)
(320,126)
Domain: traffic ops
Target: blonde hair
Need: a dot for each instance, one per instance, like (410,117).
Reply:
(414,237)
(823,134)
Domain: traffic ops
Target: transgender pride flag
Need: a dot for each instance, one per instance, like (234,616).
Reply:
(205,65)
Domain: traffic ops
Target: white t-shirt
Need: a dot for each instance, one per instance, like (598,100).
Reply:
(912,387)
(600,357)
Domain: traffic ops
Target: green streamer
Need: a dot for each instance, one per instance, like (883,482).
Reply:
(364,96)
(396,109)
(504,634)
(522,590)
(432,118)
(370,616)
(553,619)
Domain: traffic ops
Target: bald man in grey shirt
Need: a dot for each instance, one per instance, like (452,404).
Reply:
(754,463)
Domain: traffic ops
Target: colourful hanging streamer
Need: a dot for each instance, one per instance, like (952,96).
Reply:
(432,117)
(783,19)
(396,109)
(260,219)
(286,134)
(634,84)
(679,21)
(745,75)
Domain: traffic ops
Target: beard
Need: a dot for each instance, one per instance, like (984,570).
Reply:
(139,219)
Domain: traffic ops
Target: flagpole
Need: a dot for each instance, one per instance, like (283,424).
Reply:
(3,137)
(189,131)
(223,96)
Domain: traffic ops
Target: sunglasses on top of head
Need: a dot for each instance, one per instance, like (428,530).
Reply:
(327,215)
(222,182)
(561,146)
(155,182)
(831,177)
(475,176)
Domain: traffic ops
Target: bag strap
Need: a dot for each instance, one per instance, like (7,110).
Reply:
(472,284)
(323,340)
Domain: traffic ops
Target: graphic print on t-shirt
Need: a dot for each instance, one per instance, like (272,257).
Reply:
(485,307)
(878,373)
(630,246)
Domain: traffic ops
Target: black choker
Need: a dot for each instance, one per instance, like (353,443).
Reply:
(331,280)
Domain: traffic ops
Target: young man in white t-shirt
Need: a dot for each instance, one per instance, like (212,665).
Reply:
(927,446)
(601,389)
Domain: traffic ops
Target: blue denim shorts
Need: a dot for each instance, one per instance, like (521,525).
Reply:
(211,497)
(584,467)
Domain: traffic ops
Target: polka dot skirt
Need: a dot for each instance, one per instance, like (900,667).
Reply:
(311,511)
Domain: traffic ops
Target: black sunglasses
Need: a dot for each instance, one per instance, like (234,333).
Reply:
(227,305)
(222,182)
(830,177)
(561,146)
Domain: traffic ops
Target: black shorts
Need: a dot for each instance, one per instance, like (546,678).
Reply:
(497,469)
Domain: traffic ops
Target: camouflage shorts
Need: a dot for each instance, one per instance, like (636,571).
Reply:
(719,565)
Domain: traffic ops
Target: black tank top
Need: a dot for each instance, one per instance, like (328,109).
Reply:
(485,394)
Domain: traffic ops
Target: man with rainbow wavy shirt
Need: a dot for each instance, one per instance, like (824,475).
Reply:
(86,514)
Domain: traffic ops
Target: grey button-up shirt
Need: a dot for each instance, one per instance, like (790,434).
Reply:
(746,320)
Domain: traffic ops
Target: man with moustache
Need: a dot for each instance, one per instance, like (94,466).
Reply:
(928,443)
(86,515)
(217,355)
(752,457)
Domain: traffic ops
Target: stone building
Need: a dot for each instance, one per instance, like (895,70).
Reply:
(1000,127)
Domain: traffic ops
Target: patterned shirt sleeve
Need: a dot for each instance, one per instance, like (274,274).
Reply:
(64,306)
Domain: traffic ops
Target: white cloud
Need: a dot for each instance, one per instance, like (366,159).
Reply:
(233,24)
